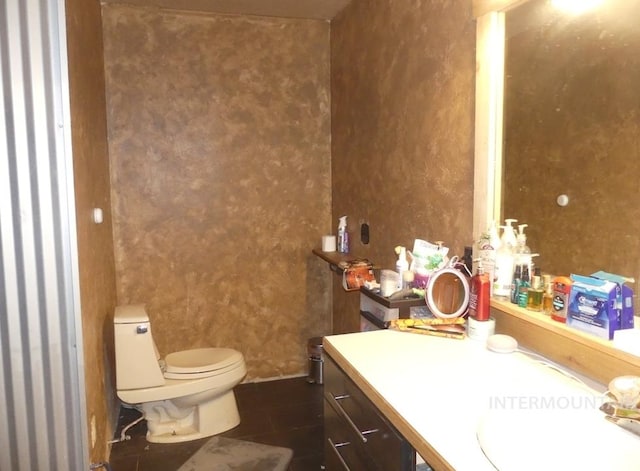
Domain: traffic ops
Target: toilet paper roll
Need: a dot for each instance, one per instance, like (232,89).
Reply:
(480,330)
(329,243)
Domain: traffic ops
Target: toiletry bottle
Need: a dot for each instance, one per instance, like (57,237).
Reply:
(547,297)
(504,262)
(525,284)
(535,293)
(402,265)
(343,235)
(515,284)
(522,251)
(479,295)
(561,292)
(488,245)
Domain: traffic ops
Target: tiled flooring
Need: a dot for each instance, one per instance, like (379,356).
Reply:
(285,413)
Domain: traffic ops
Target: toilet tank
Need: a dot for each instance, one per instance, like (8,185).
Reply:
(137,358)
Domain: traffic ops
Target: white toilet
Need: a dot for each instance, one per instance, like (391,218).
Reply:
(186,396)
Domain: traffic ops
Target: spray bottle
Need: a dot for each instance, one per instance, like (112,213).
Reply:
(402,265)
(343,235)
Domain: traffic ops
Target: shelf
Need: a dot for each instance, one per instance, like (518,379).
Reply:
(594,357)
(337,259)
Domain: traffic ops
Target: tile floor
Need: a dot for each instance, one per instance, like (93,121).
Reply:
(285,412)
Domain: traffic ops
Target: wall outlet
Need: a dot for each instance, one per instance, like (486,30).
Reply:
(364,233)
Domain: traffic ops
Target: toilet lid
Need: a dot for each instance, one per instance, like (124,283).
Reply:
(201,360)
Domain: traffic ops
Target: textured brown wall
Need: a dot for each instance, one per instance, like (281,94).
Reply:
(402,84)
(572,100)
(219,133)
(95,242)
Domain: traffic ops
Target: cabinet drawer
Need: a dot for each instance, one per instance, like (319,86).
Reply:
(341,452)
(366,429)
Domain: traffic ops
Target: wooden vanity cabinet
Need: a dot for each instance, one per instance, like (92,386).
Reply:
(356,435)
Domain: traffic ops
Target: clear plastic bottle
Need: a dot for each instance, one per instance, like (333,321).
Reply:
(522,251)
(547,297)
(488,247)
(402,265)
(504,262)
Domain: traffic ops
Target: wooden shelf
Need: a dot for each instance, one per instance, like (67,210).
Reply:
(594,357)
(336,259)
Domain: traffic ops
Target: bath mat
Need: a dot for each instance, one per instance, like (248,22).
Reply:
(227,454)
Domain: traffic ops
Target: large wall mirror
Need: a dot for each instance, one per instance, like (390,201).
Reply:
(559,100)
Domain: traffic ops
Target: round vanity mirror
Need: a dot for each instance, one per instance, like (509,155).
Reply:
(448,293)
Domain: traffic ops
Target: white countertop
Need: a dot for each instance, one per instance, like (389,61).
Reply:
(449,395)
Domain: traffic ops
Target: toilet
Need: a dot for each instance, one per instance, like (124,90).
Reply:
(188,395)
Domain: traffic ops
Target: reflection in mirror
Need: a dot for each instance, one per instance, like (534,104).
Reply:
(448,293)
(572,127)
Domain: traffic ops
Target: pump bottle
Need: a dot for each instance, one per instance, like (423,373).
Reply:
(522,251)
(489,245)
(504,262)
(343,235)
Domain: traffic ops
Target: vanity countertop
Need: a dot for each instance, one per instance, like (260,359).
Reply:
(446,396)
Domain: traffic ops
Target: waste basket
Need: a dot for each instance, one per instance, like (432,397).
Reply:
(316,360)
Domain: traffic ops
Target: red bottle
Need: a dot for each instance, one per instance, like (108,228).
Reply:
(479,295)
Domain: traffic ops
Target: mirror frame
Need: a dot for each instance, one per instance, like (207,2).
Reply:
(596,358)
(490,50)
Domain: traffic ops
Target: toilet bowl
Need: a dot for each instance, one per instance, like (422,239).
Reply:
(185,396)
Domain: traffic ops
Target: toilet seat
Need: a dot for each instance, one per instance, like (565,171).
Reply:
(200,362)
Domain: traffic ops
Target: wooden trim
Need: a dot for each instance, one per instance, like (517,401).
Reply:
(482,7)
(595,358)
(422,447)
(488,128)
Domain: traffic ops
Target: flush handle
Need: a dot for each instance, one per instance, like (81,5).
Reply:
(142,329)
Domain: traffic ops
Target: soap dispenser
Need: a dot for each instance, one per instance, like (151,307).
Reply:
(504,262)
(523,252)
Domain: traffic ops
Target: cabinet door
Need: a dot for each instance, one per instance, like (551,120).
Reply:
(352,418)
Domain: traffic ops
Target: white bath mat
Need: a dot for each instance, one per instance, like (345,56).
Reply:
(227,454)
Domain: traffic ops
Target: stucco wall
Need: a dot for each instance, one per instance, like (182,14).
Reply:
(402,85)
(95,241)
(219,134)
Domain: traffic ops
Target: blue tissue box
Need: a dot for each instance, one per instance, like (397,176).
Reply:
(593,306)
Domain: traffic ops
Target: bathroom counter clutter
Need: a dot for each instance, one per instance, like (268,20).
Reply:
(463,407)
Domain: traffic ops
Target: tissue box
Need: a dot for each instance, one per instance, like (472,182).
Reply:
(624,297)
(592,306)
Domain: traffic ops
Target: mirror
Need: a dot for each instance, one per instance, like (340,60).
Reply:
(447,294)
(571,108)
(572,127)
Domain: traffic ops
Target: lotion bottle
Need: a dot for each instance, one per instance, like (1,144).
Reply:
(504,262)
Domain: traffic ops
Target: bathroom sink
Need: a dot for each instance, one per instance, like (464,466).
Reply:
(555,432)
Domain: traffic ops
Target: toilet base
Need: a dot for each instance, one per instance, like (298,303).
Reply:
(170,423)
